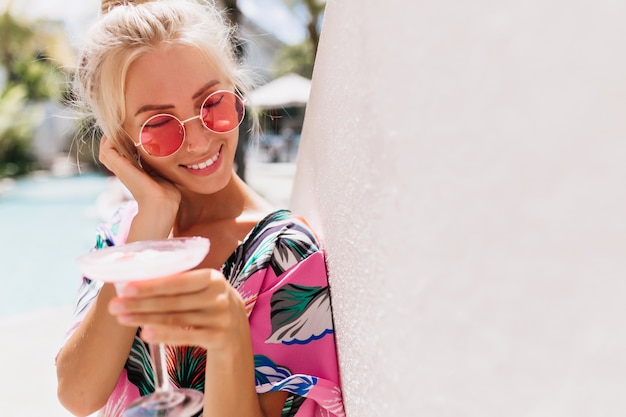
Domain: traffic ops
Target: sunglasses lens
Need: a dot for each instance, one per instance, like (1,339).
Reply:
(162,135)
(222,111)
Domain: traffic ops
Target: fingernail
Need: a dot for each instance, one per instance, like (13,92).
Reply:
(147,334)
(124,319)
(125,290)
(115,307)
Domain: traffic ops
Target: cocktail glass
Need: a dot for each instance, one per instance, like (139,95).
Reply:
(142,261)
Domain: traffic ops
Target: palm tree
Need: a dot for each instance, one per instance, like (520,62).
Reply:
(316,12)
(315,9)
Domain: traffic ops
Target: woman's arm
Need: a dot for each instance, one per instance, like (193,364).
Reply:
(229,378)
(92,359)
(90,363)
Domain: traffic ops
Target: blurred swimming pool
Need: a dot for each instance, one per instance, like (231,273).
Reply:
(45,224)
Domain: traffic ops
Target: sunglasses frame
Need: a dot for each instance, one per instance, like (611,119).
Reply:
(198,116)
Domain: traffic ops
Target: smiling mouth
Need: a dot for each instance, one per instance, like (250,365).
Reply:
(206,163)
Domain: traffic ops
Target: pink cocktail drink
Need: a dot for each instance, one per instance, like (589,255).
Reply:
(142,261)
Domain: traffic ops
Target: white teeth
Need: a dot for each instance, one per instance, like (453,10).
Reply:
(204,164)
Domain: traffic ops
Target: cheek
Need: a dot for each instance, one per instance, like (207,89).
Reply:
(233,140)
(155,167)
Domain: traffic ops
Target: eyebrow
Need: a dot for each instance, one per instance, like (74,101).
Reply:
(203,89)
(200,92)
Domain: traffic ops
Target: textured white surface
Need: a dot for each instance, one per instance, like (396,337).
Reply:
(466,166)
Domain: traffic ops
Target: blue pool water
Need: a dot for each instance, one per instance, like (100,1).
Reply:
(45,224)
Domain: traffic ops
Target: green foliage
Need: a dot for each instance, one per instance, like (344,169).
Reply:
(296,58)
(14,38)
(18,121)
(41,79)
(300,58)
(30,77)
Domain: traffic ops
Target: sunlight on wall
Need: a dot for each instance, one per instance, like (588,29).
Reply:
(465,165)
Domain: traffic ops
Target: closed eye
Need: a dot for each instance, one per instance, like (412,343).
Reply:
(158,121)
(213,101)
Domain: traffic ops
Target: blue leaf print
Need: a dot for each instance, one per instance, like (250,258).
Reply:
(267,372)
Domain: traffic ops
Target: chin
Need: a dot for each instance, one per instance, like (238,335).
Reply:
(210,184)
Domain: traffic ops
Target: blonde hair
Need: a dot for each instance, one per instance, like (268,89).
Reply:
(126,31)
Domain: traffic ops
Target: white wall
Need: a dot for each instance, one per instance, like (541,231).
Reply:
(466,165)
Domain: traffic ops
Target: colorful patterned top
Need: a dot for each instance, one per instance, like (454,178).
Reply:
(280,272)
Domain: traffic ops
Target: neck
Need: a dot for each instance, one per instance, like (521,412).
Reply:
(235,200)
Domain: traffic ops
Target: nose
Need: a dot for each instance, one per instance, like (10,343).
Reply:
(197,136)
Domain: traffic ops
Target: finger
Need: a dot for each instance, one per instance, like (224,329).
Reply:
(188,282)
(110,156)
(209,300)
(207,296)
(106,146)
(179,336)
(191,319)
(103,140)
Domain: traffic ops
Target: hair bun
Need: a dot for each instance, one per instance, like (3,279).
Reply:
(108,5)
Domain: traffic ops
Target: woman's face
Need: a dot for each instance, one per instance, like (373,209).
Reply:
(176,79)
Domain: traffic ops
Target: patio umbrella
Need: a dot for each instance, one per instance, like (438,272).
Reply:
(291,90)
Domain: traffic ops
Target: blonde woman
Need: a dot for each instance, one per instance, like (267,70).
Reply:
(251,327)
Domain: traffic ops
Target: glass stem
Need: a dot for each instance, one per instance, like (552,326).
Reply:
(161,377)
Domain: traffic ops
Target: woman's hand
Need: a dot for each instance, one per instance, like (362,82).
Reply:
(198,308)
(145,185)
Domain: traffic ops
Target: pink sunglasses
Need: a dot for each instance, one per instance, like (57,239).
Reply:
(163,134)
